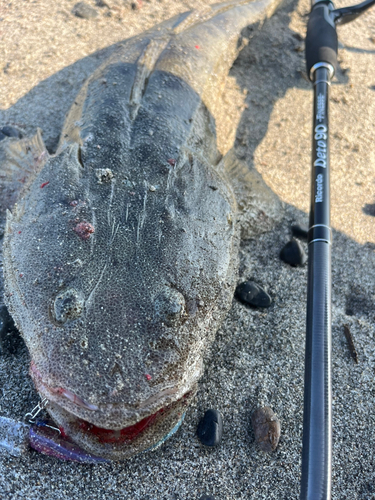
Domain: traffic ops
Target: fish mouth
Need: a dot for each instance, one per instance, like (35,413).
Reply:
(113,442)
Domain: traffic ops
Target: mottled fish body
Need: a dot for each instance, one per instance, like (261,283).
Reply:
(121,252)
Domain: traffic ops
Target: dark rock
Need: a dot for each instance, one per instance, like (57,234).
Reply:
(210,428)
(101,4)
(9,131)
(83,10)
(299,231)
(369,209)
(266,427)
(137,5)
(249,292)
(293,253)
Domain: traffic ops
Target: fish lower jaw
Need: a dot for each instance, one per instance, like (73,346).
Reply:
(110,431)
(120,444)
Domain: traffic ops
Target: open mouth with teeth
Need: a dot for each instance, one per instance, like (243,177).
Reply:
(79,439)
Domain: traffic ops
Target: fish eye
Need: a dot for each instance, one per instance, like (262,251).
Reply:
(169,306)
(67,305)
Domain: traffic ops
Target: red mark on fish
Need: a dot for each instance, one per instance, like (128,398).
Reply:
(62,432)
(148,376)
(172,162)
(44,184)
(84,230)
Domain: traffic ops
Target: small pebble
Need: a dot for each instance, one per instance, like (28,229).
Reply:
(299,231)
(249,292)
(293,253)
(210,428)
(101,3)
(266,427)
(83,10)
(9,131)
(369,209)
(136,5)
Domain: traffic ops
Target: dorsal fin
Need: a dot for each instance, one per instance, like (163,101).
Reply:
(259,207)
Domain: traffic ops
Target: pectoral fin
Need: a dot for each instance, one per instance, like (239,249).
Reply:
(259,207)
(20,162)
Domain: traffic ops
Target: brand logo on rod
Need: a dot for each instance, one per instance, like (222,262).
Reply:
(321,146)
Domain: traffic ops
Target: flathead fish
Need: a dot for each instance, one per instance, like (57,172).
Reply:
(121,250)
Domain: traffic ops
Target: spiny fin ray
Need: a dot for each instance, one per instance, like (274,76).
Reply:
(259,207)
(21,160)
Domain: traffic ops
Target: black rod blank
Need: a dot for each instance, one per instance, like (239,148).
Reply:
(317,446)
(321,60)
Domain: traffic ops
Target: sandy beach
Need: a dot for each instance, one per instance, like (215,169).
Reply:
(257,359)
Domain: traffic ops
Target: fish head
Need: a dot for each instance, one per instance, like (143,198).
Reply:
(118,283)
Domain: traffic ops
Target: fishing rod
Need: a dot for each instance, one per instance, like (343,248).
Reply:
(321,62)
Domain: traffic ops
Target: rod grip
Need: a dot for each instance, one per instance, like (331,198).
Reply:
(321,38)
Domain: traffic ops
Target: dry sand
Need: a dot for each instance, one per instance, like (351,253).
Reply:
(46,53)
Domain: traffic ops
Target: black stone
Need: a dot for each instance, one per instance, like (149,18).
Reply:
(369,209)
(210,428)
(299,231)
(9,131)
(249,292)
(83,10)
(293,253)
